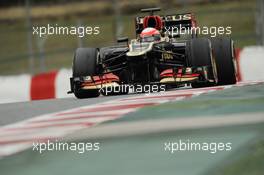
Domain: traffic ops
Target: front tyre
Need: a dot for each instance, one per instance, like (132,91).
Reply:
(199,54)
(85,64)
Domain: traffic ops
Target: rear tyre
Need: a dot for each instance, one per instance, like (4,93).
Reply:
(223,49)
(199,53)
(85,64)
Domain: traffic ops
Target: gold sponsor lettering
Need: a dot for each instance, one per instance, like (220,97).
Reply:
(167,56)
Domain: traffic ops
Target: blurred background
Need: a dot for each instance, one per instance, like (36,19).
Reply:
(22,52)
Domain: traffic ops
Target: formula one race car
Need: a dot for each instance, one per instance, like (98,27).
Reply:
(155,57)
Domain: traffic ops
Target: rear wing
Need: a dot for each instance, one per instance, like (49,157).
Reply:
(165,23)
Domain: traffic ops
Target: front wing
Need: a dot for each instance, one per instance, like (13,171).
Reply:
(179,76)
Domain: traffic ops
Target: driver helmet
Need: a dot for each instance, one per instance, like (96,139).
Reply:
(150,34)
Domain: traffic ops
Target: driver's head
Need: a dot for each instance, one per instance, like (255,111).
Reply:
(150,34)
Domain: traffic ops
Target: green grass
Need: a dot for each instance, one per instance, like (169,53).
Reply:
(59,49)
(251,163)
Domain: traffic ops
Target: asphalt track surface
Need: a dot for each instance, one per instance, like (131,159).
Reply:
(130,137)
(14,112)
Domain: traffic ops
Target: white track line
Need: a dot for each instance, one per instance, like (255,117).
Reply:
(122,129)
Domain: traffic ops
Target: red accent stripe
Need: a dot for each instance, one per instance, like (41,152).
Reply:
(99,82)
(170,73)
(167,71)
(106,77)
(43,86)
(180,75)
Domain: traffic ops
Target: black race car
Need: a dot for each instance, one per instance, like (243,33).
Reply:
(155,57)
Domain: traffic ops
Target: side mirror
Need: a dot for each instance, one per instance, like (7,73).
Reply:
(123,39)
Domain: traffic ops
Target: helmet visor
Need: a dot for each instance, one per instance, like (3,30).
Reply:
(150,38)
